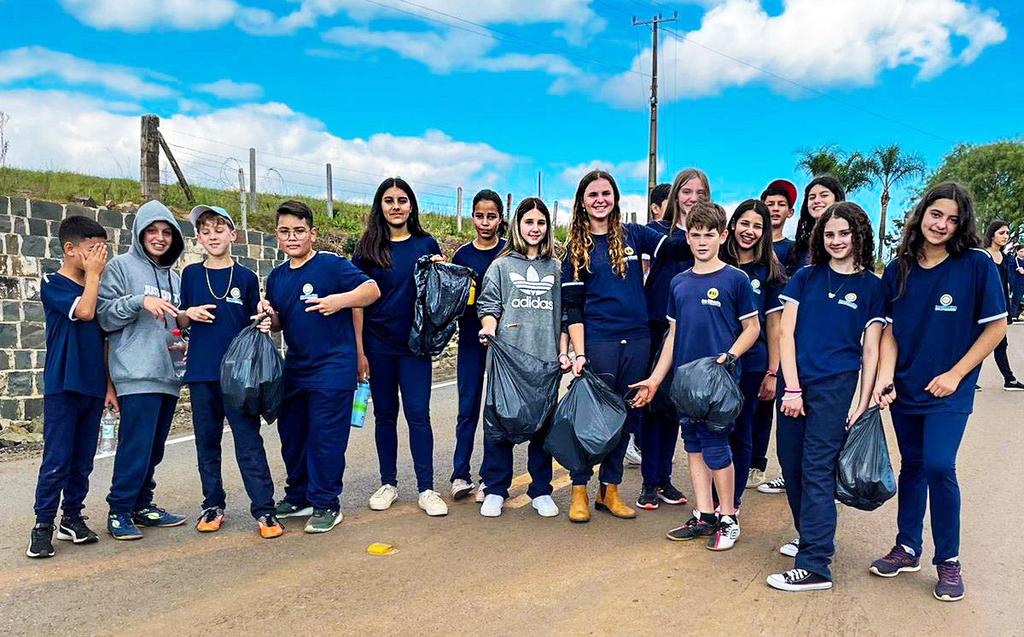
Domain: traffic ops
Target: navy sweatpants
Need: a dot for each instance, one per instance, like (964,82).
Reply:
(71,423)
(469,374)
(928,444)
(659,425)
(808,448)
(496,471)
(620,364)
(145,423)
(410,374)
(208,414)
(761,433)
(314,425)
(740,438)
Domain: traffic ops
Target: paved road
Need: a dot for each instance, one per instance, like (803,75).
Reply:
(518,574)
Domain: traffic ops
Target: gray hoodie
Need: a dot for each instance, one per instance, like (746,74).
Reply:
(138,358)
(525,296)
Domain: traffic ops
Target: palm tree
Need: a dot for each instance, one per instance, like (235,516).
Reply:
(891,167)
(853,170)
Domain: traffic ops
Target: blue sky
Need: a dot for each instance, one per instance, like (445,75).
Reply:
(485,93)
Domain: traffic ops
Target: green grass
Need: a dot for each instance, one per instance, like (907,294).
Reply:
(338,233)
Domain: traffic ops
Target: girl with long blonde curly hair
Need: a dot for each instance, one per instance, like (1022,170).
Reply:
(603,299)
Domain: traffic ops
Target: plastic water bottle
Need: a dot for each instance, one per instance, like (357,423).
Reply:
(359,403)
(108,431)
(177,345)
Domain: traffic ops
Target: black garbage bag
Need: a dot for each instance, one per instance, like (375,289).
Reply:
(442,291)
(864,477)
(521,393)
(706,392)
(587,423)
(251,374)
(662,403)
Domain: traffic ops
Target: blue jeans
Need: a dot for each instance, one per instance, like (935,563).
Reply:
(410,374)
(314,425)
(808,449)
(469,373)
(928,445)
(208,414)
(71,423)
(145,423)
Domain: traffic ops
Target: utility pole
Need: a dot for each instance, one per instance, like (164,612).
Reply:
(538,185)
(652,153)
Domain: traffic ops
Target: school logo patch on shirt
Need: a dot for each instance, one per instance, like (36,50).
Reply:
(850,300)
(236,293)
(755,285)
(712,298)
(945,304)
(307,292)
(234,296)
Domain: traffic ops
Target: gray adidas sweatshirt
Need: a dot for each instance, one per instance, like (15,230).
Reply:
(138,359)
(525,296)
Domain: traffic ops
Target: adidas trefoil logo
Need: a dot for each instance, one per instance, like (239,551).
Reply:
(532,284)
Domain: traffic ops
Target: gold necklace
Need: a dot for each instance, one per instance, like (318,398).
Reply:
(231,275)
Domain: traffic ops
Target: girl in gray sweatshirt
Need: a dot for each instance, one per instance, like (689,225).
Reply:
(520,304)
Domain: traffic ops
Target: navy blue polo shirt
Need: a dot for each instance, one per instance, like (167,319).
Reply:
(708,310)
(388,322)
(766,300)
(828,330)
(478,260)
(615,308)
(239,290)
(660,275)
(74,348)
(782,248)
(321,349)
(935,320)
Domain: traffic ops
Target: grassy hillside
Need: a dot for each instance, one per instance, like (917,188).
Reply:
(338,233)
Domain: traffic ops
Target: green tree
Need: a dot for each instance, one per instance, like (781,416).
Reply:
(994,173)
(853,170)
(891,167)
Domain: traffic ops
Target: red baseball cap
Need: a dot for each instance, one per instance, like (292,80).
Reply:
(788,187)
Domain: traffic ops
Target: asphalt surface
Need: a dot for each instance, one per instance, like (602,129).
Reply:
(516,574)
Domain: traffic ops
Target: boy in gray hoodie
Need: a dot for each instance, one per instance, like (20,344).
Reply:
(138,300)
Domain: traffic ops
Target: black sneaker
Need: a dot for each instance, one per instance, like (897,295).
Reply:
(695,527)
(1013,385)
(41,544)
(798,579)
(648,498)
(977,388)
(896,561)
(671,495)
(74,530)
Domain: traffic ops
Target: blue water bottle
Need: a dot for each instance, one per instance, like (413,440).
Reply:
(359,403)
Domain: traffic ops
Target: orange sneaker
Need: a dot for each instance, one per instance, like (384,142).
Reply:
(210,520)
(269,526)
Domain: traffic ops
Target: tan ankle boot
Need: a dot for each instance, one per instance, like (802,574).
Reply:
(579,506)
(608,500)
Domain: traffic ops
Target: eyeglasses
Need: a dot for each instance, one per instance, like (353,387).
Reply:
(286,233)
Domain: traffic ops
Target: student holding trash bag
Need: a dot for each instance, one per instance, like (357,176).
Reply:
(387,251)
(831,326)
(520,310)
(218,297)
(947,312)
(748,246)
(311,297)
(490,225)
(659,426)
(603,298)
(711,315)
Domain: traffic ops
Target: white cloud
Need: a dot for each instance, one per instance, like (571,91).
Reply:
(143,15)
(93,136)
(621,171)
(34,62)
(231,90)
(818,44)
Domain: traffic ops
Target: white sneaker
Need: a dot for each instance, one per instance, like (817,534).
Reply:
(725,535)
(755,478)
(461,488)
(383,498)
(431,502)
(790,548)
(778,485)
(491,508)
(798,579)
(545,506)
(480,493)
(632,452)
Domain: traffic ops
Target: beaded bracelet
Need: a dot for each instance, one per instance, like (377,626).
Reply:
(791,397)
(770,372)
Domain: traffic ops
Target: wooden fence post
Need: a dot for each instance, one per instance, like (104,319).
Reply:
(458,209)
(252,180)
(330,194)
(149,166)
